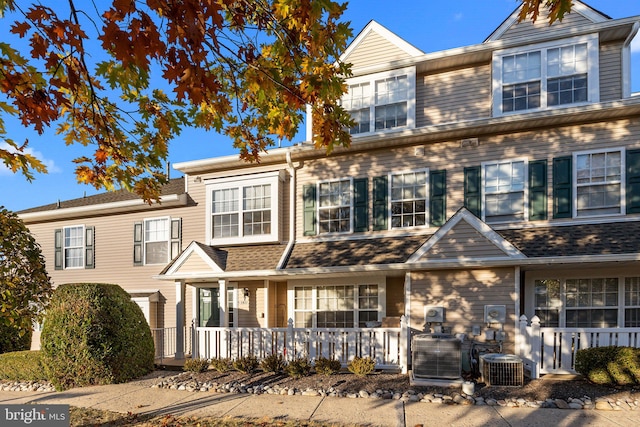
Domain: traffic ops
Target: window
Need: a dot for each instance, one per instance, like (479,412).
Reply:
(504,191)
(336,306)
(156,240)
(547,301)
(243,209)
(74,247)
(592,303)
(549,75)
(382,101)
(598,183)
(632,302)
(409,199)
(335,206)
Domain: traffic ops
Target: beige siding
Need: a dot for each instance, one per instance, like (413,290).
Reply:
(527,28)
(449,155)
(463,241)
(464,294)
(251,311)
(374,50)
(395,296)
(194,263)
(454,95)
(611,71)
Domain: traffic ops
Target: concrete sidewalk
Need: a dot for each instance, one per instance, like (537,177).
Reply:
(138,397)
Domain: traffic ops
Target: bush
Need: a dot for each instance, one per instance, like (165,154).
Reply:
(14,338)
(326,366)
(298,368)
(609,365)
(246,364)
(22,366)
(273,363)
(196,365)
(362,366)
(94,334)
(220,364)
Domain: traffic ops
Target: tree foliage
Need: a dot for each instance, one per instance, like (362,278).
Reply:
(25,286)
(127,79)
(556,9)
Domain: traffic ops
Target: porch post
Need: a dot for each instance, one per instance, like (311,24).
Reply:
(536,355)
(404,341)
(224,319)
(180,291)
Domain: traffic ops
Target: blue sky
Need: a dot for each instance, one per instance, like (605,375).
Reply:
(438,26)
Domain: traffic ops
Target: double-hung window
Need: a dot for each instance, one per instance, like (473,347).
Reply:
(74,247)
(156,241)
(546,76)
(381,102)
(243,209)
(504,190)
(598,178)
(335,206)
(409,199)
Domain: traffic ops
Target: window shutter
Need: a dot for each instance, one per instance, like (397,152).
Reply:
(472,193)
(137,244)
(538,190)
(562,187)
(437,197)
(633,181)
(57,238)
(360,202)
(309,206)
(89,247)
(380,203)
(176,237)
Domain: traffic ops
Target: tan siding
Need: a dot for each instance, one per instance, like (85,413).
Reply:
(464,294)
(463,241)
(250,311)
(611,71)
(395,296)
(375,50)
(194,263)
(527,28)
(453,96)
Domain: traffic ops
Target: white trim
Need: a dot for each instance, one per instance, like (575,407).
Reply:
(626,62)
(84,247)
(390,199)
(351,207)
(525,196)
(144,239)
(193,248)
(482,228)
(386,34)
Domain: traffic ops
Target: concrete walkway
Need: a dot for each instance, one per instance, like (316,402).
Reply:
(138,397)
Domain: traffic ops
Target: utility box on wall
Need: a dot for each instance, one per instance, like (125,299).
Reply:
(433,314)
(495,314)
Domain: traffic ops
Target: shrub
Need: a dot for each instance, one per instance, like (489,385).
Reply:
(326,366)
(298,368)
(14,338)
(273,363)
(246,364)
(609,365)
(196,365)
(94,334)
(220,364)
(362,366)
(22,366)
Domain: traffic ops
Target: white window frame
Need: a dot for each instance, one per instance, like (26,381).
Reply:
(371,79)
(319,208)
(241,182)
(65,247)
(593,77)
(621,182)
(525,190)
(628,304)
(145,241)
(392,200)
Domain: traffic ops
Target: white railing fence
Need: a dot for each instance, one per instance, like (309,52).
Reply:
(165,339)
(387,346)
(553,350)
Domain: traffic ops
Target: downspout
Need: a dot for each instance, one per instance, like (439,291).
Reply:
(626,62)
(292,212)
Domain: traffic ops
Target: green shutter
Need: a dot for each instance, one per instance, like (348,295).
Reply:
(380,203)
(309,206)
(360,203)
(538,190)
(633,181)
(57,238)
(137,244)
(437,197)
(89,245)
(176,235)
(472,193)
(562,187)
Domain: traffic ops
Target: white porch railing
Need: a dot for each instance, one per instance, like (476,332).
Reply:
(553,350)
(164,341)
(387,346)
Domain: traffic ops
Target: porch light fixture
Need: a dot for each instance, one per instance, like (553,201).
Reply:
(246,294)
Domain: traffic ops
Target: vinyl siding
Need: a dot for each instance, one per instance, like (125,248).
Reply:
(194,263)
(611,71)
(530,29)
(454,95)
(250,310)
(395,296)
(375,50)
(463,241)
(463,294)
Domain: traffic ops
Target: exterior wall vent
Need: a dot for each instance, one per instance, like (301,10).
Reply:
(502,370)
(436,356)
(469,142)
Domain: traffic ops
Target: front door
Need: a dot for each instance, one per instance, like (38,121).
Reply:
(209,307)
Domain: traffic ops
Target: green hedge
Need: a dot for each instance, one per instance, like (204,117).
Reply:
(94,334)
(13,338)
(609,365)
(22,366)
